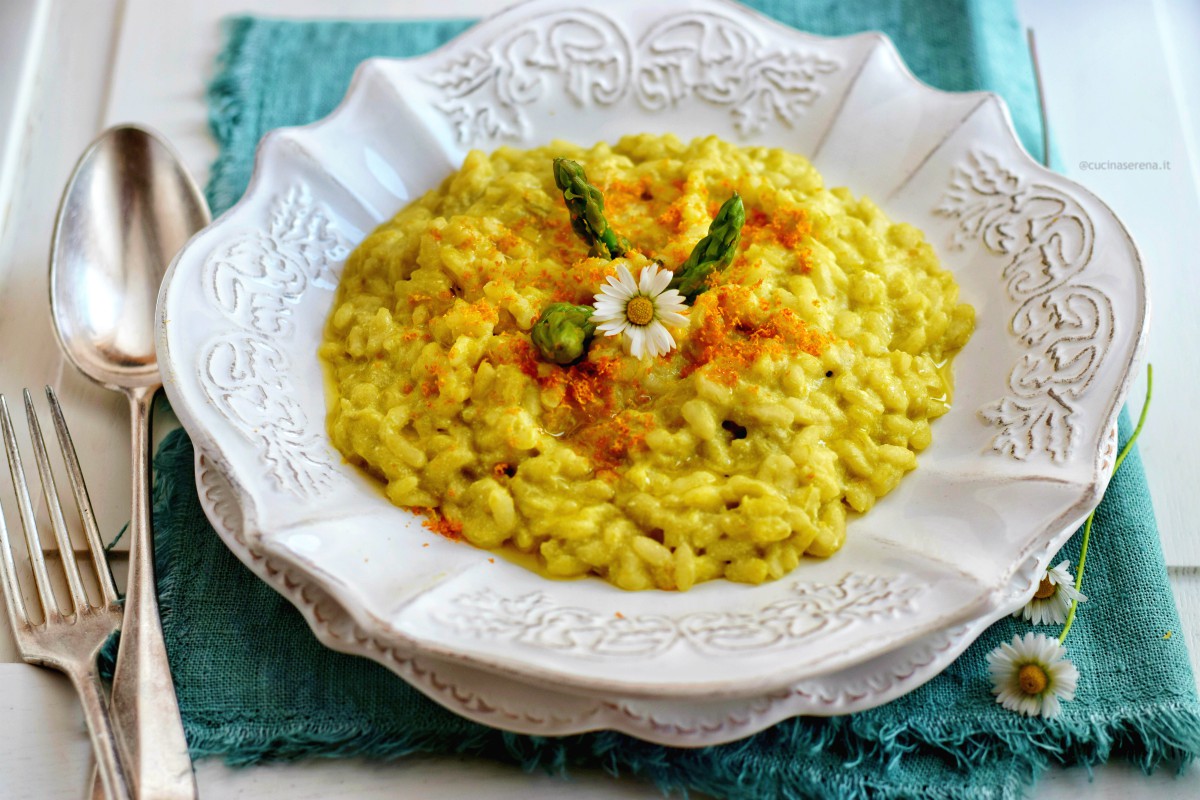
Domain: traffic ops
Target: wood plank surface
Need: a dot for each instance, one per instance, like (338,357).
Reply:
(82,64)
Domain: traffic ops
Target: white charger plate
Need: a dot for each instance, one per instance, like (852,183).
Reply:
(1054,276)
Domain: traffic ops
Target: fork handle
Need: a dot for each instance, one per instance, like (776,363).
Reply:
(149,730)
(99,724)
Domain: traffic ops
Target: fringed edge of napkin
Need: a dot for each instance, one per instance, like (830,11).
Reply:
(1165,734)
(740,773)
(1169,734)
(226,109)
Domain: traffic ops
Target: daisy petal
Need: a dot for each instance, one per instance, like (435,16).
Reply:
(613,327)
(646,280)
(609,300)
(626,280)
(662,279)
(673,319)
(608,307)
(613,291)
(653,343)
(666,342)
(672,297)
(636,336)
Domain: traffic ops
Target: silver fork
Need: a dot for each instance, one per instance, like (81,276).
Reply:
(66,641)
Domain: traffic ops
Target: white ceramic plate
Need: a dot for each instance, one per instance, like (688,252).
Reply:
(1055,279)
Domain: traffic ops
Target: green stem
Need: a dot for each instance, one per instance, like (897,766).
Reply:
(1087,528)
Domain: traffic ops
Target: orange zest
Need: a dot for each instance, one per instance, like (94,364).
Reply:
(440,524)
(736,331)
(610,441)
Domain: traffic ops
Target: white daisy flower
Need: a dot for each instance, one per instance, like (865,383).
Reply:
(640,310)
(1031,675)
(1052,600)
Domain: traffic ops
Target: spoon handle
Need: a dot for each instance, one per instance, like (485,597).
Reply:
(149,728)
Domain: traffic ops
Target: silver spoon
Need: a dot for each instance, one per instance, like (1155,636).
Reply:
(128,208)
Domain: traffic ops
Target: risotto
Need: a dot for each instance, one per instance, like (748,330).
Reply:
(798,392)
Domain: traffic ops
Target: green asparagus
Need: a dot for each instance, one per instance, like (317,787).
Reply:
(585,204)
(712,253)
(563,332)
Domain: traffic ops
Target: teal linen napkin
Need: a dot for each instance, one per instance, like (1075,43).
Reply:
(255,684)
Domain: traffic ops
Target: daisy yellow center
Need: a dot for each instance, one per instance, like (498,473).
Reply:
(1045,589)
(640,310)
(1033,679)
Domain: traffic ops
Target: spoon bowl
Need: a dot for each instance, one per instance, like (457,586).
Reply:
(130,206)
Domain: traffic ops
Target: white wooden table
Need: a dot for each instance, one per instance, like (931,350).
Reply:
(1123,84)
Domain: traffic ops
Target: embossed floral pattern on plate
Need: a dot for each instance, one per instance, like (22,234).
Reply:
(815,609)
(588,56)
(1065,324)
(256,282)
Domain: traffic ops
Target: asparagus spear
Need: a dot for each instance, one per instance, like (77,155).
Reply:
(563,332)
(585,204)
(712,253)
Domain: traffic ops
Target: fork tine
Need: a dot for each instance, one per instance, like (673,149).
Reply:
(8,574)
(32,542)
(79,489)
(62,535)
